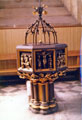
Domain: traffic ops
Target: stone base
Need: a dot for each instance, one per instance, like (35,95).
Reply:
(44,109)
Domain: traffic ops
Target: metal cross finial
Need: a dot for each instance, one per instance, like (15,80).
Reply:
(46,27)
(40,10)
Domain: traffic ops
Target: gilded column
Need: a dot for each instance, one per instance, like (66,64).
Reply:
(51,91)
(32,91)
(36,98)
(44,93)
(34,104)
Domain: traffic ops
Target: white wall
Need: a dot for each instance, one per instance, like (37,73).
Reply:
(75,7)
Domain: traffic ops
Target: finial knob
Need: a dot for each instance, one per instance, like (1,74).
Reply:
(40,10)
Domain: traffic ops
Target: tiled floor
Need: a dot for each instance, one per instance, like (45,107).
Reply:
(14,106)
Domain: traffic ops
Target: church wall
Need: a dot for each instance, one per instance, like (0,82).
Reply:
(75,7)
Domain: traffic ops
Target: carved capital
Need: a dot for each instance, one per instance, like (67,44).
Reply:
(42,78)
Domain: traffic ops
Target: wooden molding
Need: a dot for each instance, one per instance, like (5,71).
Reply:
(8,56)
(73,53)
(8,72)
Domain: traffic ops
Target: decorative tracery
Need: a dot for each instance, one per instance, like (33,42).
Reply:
(40,23)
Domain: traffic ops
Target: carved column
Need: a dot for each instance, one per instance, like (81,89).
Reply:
(32,91)
(42,97)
